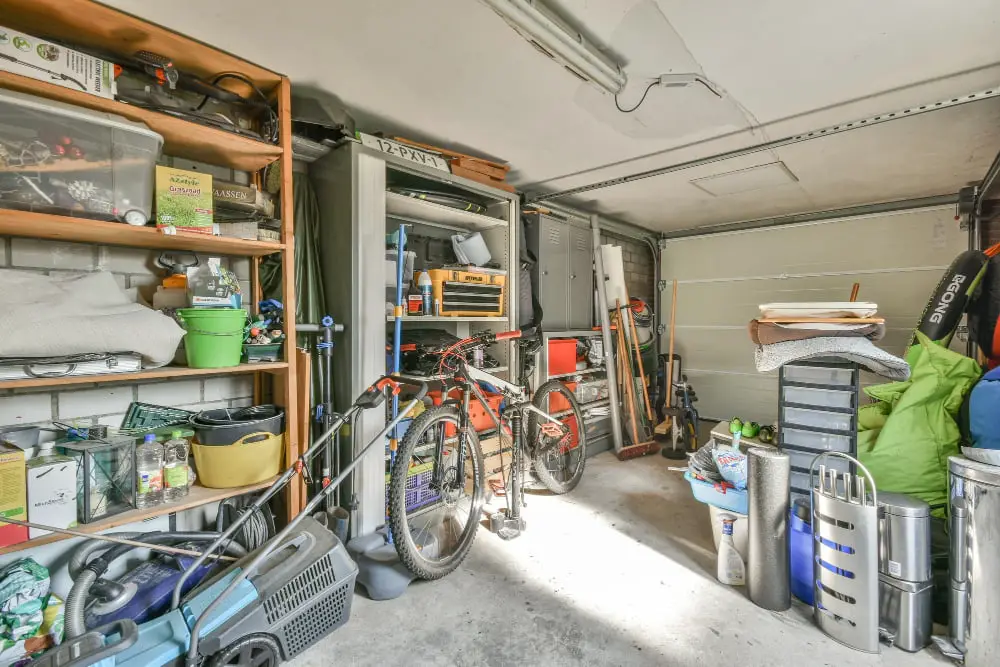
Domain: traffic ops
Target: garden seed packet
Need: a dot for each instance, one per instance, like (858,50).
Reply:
(183,200)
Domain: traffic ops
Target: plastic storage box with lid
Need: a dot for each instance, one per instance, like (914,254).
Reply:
(562,356)
(58,158)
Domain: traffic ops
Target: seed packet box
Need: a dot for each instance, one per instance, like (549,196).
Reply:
(13,496)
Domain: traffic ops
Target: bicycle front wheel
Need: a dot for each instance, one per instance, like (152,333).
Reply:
(435,494)
(558,459)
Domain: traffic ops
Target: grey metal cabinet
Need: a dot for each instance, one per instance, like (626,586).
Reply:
(581,275)
(564,275)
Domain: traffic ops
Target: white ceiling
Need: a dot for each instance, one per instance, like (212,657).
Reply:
(453,73)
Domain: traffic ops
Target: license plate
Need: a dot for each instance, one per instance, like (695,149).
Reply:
(408,153)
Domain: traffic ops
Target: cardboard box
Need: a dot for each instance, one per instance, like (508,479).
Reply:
(211,285)
(246,198)
(184,200)
(20,53)
(13,497)
(52,489)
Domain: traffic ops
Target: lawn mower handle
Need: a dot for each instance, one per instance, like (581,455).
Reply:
(264,552)
(365,401)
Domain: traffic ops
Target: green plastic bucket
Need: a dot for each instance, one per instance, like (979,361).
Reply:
(214,336)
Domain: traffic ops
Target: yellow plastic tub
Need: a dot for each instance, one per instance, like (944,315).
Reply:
(254,458)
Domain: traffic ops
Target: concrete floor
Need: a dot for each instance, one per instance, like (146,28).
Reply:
(619,572)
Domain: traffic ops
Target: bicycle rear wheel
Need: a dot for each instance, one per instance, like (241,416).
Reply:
(558,461)
(434,508)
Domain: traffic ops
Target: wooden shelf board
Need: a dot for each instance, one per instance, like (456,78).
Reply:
(165,372)
(66,166)
(199,495)
(416,210)
(181,138)
(84,230)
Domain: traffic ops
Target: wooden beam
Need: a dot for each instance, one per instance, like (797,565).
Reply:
(296,445)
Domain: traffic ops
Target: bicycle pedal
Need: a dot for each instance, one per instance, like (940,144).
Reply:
(508,534)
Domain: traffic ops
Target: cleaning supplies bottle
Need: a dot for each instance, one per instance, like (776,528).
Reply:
(175,467)
(149,473)
(729,569)
(426,287)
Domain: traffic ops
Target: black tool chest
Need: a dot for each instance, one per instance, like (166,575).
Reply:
(818,412)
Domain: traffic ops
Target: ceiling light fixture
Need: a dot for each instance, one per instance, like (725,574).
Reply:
(552,36)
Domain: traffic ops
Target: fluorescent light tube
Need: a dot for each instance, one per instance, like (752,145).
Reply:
(552,36)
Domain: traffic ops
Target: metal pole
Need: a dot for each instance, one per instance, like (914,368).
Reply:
(609,362)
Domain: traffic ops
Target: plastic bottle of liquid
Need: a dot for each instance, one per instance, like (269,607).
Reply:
(175,467)
(729,569)
(149,473)
(426,287)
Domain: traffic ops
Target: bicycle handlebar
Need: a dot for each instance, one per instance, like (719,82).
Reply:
(517,333)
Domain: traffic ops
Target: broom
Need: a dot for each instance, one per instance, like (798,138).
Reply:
(638,448)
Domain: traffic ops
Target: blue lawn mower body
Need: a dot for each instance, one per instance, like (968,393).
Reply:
(263,609)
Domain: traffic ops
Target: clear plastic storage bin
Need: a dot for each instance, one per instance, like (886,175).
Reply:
(594,390)
(58,158)
(837,421)
(827,442)
(816,375)
(821,398)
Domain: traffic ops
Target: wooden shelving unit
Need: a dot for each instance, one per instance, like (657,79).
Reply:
(164,373)
(83,230)
(100,29)
(199,495)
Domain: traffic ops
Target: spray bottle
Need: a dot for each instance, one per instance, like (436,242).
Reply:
(426,287)
(729,569)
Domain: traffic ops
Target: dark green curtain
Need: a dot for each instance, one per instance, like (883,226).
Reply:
(310,304)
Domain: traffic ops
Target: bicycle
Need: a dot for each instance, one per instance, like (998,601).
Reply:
(434,525)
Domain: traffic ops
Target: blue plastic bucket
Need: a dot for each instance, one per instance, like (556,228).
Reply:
(800,551)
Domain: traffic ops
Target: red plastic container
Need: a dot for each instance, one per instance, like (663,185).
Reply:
(479,418)
(562,356)
(558,402)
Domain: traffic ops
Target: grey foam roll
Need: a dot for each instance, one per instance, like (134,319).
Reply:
(768,574)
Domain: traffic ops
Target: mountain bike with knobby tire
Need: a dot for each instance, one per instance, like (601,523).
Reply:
(437,486)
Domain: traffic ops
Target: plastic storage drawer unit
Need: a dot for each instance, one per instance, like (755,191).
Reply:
(58,158)
(837,421)
(816,441)
(802,460)
(819,398)
(843,377)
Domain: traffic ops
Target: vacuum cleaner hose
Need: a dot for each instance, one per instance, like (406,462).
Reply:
(87,577)
(76,603)
(81,555)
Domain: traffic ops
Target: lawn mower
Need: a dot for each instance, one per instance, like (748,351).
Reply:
(266,607)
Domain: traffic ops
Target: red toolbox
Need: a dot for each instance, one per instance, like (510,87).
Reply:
(562,356)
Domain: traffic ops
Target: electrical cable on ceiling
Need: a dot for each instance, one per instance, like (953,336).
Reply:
(641,99)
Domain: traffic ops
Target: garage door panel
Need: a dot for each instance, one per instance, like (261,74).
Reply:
(901,295)
(716,349)
(897,258)
(920,238)
(758,396)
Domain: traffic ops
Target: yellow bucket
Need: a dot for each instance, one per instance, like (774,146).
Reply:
(253,458)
